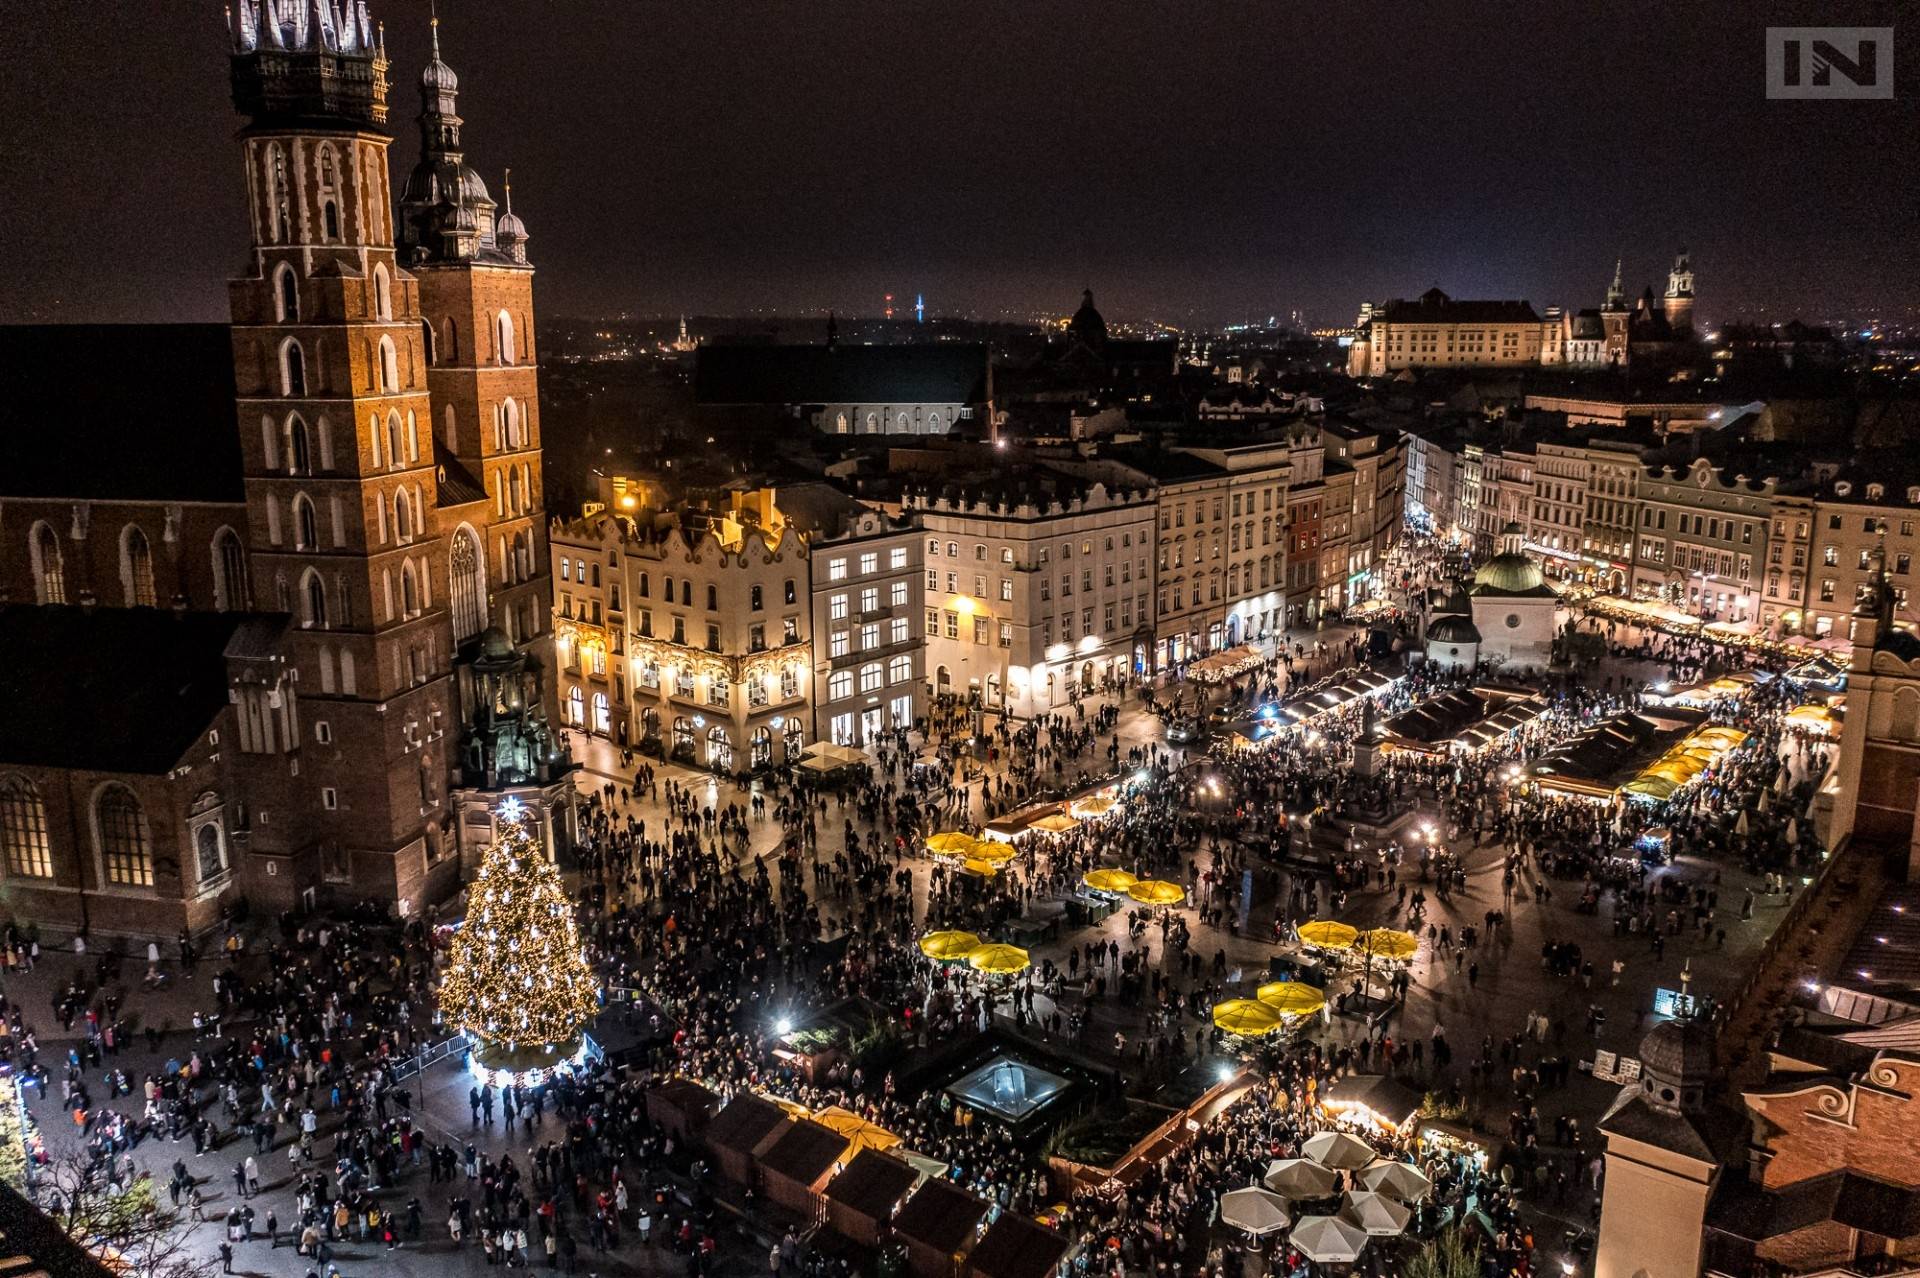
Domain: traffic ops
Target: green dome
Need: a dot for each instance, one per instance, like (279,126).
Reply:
(1509,574)
(1453,630)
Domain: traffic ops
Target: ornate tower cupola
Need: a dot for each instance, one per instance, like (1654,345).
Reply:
(1678,303)
(308,60)
(446,213)
(1616,291)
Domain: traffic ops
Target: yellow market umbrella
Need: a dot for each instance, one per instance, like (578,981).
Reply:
(999,960)
(978,868)
(859,1132)
(1328,935)
(1246,1016)
(1109,880)
(992,851)
(1058,823)
(1384,942)
(1157,892)
(951,843)
(1094,806)
(1292,998)
(947,946)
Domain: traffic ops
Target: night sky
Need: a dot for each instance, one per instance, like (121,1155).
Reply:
(1199,162)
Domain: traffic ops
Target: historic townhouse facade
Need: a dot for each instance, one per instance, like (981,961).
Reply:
(1703,539)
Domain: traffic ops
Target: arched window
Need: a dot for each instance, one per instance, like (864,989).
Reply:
(503,347)
(286,295)
(329,194)
(426,336)
(467,582)
(299,451)
(382,293)
(314,598)
(409,589)
(450,427)
(453,342)
(293,369)
(23,829)
(413,437)
(395,457)
(49,569)
(576,707)
(373,437)
(389,366)
(324,432)
(510,421)
(120,835)
(136,567)
(210,849)
(402,516)
(230,593)
(279,214)
(306,528)
(602,718)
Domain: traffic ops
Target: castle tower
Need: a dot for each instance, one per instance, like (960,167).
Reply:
(469,257)
(1615,320)
(336,431)
(1678,303)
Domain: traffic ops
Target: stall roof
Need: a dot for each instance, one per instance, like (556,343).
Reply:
(744,1123)
(873,1184)
(1613,752)
(805,1153)
(940,1216)
(1381,1093)
(1015,1247)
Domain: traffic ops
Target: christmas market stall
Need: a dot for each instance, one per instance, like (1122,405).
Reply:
(939,1225)
(862,1200)
(741,1132)
(681,1106)
(795,1168)
(1603,758)
(1377,1102)
(1015,1247)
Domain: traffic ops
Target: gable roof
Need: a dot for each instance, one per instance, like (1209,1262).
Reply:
(872,1184)
(1015,1247)
(804,1152)
(127,412)
(940,1216)
(138,685)
(744,1123)
(946,373)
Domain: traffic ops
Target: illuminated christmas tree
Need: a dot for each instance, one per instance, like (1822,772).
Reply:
(519,981)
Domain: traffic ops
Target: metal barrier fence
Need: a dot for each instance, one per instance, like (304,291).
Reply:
(431,1054)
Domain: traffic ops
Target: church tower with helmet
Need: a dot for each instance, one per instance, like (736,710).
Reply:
(368,519)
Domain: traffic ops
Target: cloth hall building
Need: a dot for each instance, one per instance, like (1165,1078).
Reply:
(295,566)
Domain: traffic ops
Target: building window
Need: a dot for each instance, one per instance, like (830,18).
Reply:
(897,594)
(838,643)
(136,568)
(869,562)
(120,827)
(229,572)
(49,567)
(871,676)
(840,685)
(900,669)
(900,630)
(897,558)
(23,829)
(755,600)
(210,850)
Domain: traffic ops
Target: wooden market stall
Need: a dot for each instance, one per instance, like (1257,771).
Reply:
(939,1225)
(681,1106)
(741,1132)
(795,1168)
(1015,1247)
(862,1200)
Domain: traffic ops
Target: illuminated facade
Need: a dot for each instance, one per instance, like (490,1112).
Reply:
(1028,604)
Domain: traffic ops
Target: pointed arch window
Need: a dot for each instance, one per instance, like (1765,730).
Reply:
(23,829)
(382,293)
(49,566)
(121,836)
(315,601)
(293,369)
(230,593)
(395,457)
(286,295)
(467,581)
(279,211)
(503,344)
(402,516)
(453,341)
(510,423)
(431,346)
(409,589)
(136,567)
(329,194)
(299,448)
(306,528)
(389,366)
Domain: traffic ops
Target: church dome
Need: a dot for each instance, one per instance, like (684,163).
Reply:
(509,227)
(438,77)
(1509,574)
(1453,630)
(494,643)
(1087,323)
(1677,1051)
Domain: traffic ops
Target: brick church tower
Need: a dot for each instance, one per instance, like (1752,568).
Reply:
(393,533)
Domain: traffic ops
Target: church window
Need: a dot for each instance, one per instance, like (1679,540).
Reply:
(395,458)
(383,294)
(286,295)
(467,581)
(409,589)
(299,451)
(280,225)
(330,220)
(49,568)
(23,829)
(136,568)
(293,369)
(211,851)
(306,533)
(503,346)
(453,342)
(389,366)
(426,337)
(229,572)
(315,601)
(402,516)
(413,437)
(120,833)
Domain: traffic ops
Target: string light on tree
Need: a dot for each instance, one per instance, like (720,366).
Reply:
(518,983)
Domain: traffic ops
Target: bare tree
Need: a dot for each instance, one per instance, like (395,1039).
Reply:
(124,1222)
(1452,1254)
